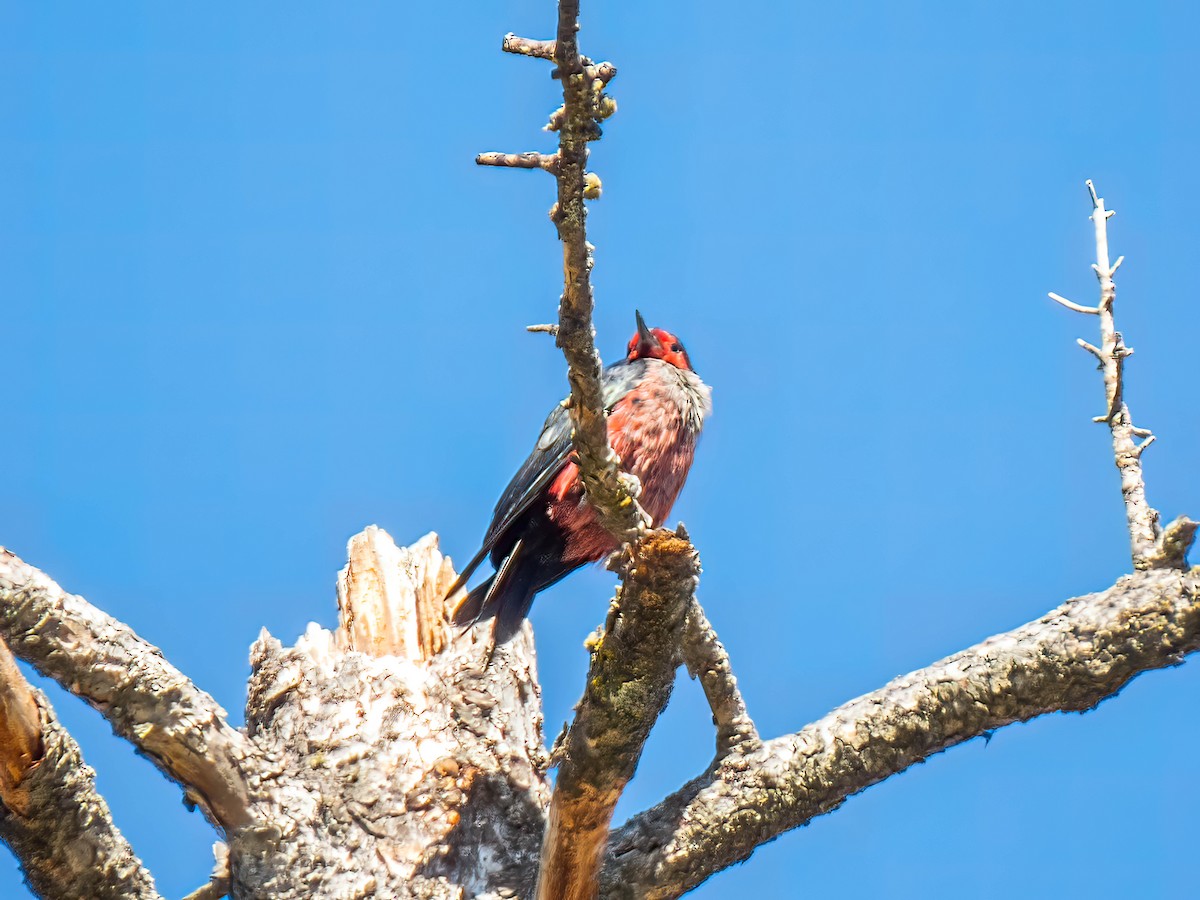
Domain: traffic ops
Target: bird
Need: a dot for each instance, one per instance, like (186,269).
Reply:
(543,528)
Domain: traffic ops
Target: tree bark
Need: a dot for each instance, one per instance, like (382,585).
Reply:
(418,770)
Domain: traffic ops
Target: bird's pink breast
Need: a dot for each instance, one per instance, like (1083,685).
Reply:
(651,430)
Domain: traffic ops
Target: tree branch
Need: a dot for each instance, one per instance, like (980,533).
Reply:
(628,686)
(531,160)
(145,699)
(1069,660)
(707,660)
(608,492)
(527,47)
(51,815)
(1148,547)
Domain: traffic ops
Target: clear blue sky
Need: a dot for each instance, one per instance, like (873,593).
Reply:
(255,296)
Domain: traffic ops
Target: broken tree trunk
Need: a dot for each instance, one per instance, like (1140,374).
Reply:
(398,763)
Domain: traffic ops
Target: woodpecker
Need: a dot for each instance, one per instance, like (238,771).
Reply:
(543,528)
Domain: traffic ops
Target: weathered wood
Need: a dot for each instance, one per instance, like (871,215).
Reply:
(415,775)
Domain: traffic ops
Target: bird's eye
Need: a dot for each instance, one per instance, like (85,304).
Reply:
(675,348)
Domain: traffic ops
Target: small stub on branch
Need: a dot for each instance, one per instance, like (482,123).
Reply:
(528,47)
(547,162)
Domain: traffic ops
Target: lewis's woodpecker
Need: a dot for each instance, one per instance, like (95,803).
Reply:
(543,528)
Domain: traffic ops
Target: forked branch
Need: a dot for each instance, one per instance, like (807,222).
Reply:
(1070,659)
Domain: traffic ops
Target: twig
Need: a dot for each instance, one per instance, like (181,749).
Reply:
(528,47)
(551,329)
(1145,533)
(51,816)
(628,685)
(1090,310)
(217,885)
(145,699)
(1070,659)
(546,161)
(706,659)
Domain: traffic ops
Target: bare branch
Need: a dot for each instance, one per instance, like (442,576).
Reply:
(628,685)
(550,329)
(1070,659)
(611,494)
(546,161)
(51,815)
(706,659)
(1090,310)
(528,47)
(145,699)
(607,492)
(1145,532)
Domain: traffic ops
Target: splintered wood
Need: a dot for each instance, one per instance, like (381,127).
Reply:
(390,600)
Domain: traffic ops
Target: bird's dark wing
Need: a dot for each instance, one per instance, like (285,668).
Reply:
(549,455)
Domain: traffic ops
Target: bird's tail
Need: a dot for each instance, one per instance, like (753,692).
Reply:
(506,596)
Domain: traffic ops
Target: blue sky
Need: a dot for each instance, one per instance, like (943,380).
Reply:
(256,296)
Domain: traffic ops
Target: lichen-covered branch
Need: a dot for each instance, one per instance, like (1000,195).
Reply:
(147,701)
(628,686)
(1068,660)
(51,815)
(599,468)
(706,659)
(1149,548)
(611,493)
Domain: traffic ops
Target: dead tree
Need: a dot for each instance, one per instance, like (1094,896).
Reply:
(387,759)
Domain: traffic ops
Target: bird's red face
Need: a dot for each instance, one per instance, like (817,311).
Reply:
(656,343)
